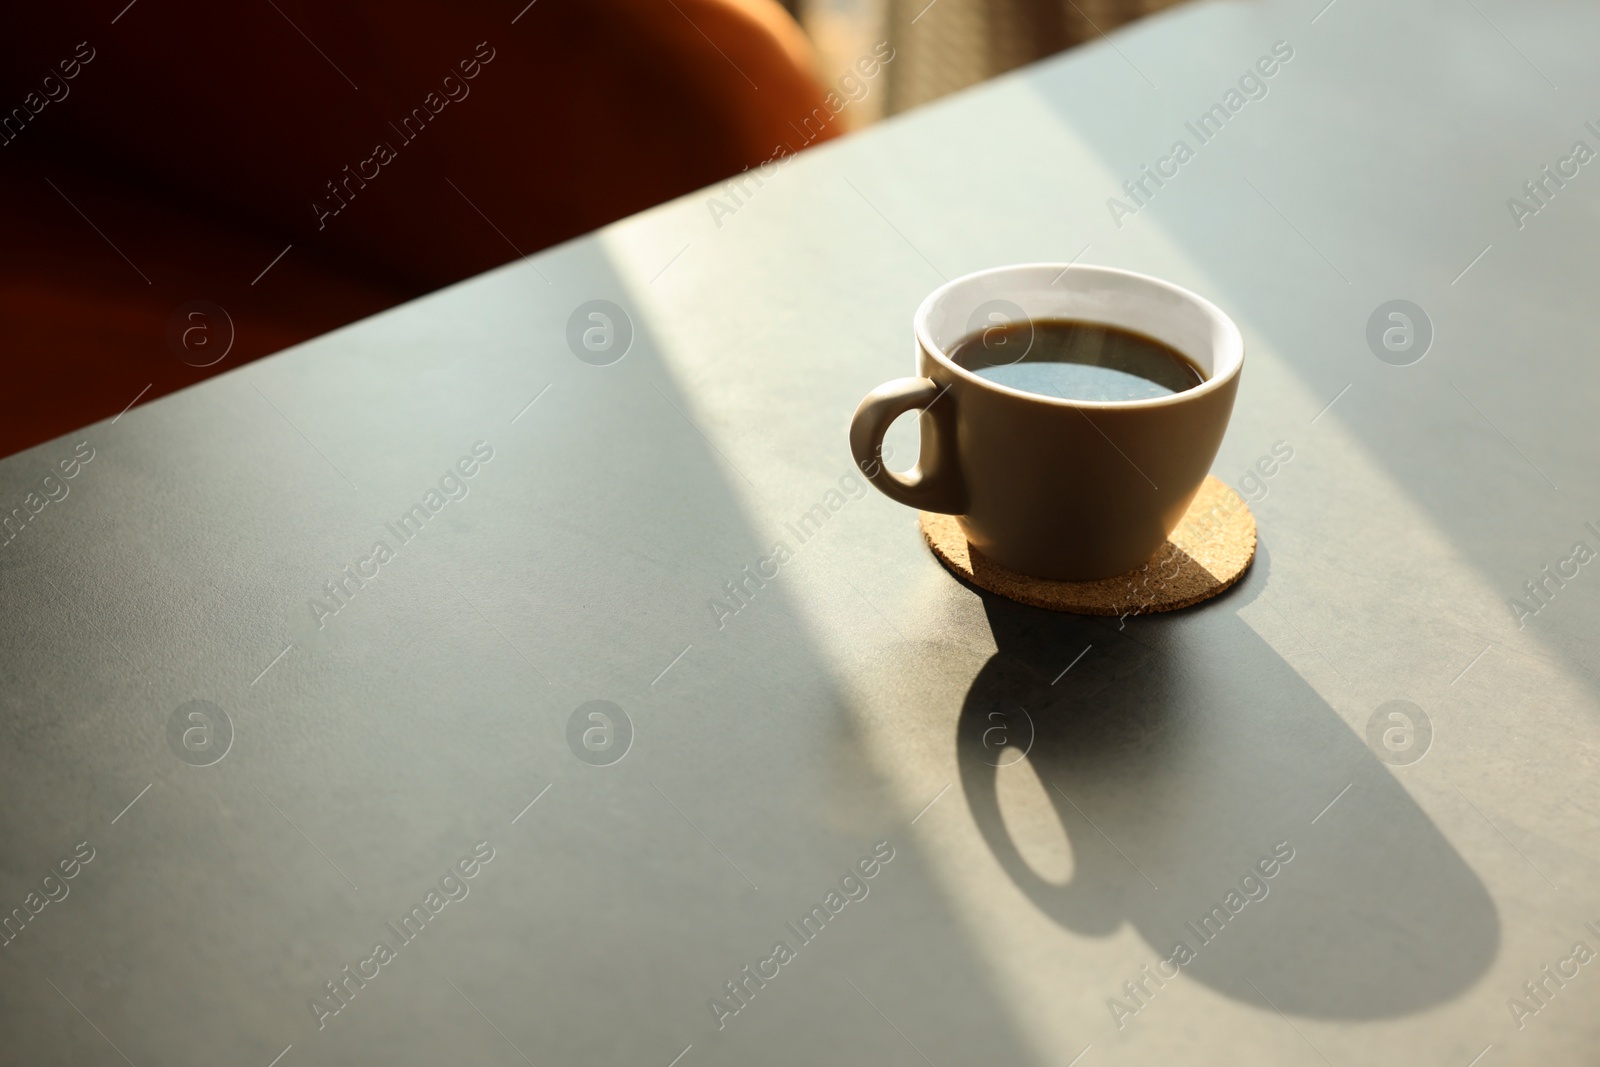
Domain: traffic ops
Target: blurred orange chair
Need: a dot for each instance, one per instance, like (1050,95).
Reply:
(158,153)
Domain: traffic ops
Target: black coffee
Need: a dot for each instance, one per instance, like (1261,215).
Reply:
(1074,360)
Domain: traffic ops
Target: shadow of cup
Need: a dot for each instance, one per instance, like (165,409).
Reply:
(1178,754)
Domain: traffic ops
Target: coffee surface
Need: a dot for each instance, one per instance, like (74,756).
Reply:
(1073,360)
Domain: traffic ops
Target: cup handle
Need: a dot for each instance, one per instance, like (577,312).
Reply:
(933,484)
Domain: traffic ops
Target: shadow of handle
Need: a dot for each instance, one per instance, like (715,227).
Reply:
(1084,905)
(934,484)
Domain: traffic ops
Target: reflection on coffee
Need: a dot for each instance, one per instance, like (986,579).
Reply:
(1073,360)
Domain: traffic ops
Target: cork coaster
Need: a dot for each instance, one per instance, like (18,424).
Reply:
(1209,551)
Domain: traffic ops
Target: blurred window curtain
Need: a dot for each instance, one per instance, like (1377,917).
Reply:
(957,43)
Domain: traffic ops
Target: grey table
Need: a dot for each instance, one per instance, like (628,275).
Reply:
(249,803)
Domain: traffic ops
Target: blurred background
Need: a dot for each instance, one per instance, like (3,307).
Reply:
(951,44)
(186,187)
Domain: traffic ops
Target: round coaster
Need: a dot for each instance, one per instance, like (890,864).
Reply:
(1209,551)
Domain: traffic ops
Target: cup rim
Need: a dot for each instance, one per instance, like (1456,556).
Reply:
(1231,355)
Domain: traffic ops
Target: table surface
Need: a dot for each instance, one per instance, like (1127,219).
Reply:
(1064,800)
